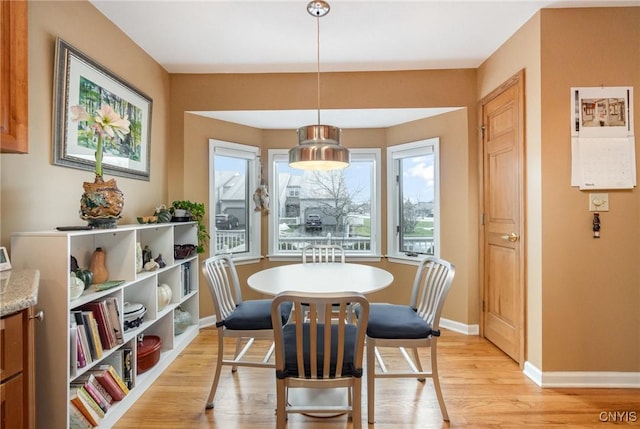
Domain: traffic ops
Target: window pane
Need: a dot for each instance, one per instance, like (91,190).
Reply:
(324,207)
(416,200)
(231,203)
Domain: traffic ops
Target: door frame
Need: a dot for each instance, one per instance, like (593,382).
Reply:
(519,80)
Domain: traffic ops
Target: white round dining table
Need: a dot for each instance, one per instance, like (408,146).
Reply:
(320,277)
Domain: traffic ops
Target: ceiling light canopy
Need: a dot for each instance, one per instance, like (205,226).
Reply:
(319,145)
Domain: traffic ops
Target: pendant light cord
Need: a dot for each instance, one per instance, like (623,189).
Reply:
(318,62)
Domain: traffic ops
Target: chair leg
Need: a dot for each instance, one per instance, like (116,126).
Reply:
(371,376)
(216,377)
(281,412)
(418,363)
(436,380)
(234,368)
(356,409)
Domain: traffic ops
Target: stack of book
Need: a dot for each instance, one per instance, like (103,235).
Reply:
(92,394)
(95,327)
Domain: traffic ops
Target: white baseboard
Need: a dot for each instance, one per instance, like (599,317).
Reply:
(582,379)
(460,327)
(205,322)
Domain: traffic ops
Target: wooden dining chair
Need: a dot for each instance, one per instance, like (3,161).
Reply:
(246,321)
(409,327)
(317,353)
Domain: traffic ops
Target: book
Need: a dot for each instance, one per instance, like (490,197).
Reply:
(95,389)
(110,385)
(99,311)
(81,359)
(93,392)
(118,379)
(77,420)
(82,334)
(76,359)
(81,399)
(92,325)
(127,369)
(114,317)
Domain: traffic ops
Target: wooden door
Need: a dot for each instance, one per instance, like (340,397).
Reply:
(503,224)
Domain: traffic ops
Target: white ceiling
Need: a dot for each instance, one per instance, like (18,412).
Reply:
(264,36)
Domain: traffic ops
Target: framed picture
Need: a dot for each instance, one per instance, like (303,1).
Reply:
(5,264)
(81,81)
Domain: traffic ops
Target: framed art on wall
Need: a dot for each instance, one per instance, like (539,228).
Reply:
(80,81)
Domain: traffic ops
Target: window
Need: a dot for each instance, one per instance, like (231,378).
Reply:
(413,199)
(336,207)
(233,179)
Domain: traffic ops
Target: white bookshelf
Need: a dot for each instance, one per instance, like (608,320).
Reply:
(50,251)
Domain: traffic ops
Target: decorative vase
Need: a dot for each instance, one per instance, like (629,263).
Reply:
(98,266)
(181,320)
(76,287)
(164,295)
(139,263)
(101,203)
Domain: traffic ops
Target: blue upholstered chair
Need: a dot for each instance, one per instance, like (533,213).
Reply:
(409,327)
(321,351)
(244,320)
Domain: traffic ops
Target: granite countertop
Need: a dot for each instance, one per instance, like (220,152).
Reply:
(18,290)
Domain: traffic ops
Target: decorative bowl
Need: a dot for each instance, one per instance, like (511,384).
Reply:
(133,315)
(182,251)
(147,219)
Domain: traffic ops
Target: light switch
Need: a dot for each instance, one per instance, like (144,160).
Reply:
(598,202)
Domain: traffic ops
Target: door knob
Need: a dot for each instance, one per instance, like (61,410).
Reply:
(513,237)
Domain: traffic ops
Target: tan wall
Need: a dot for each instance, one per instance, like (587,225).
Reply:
(591,288)
(454,88)
(583,295)
(36,195)
(522,52)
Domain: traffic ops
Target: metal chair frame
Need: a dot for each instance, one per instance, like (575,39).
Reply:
(225,290)
(430,288)
(315,373)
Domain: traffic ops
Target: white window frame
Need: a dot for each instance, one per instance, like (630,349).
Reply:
(394,154)
(252,155)
(368,154)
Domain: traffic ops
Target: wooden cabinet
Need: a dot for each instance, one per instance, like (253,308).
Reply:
(13,77)
(50,252)
(17,370)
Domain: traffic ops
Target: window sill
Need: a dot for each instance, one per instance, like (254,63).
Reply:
(407,260)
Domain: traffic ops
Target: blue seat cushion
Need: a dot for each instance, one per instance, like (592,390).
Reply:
(290,354)
(254,314)
(396,322)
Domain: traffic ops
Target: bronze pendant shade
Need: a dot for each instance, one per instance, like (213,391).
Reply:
(319,145)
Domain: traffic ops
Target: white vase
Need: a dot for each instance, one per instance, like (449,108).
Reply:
(164,295)
(139,264)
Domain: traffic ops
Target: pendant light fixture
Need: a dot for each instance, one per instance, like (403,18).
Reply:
(319,145)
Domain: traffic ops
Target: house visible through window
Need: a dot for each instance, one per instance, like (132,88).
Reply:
(235,226)
(413,199)
(325,207)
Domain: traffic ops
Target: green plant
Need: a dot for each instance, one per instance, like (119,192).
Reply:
(197,211)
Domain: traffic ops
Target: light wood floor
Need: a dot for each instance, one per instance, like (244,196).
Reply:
(482,388)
